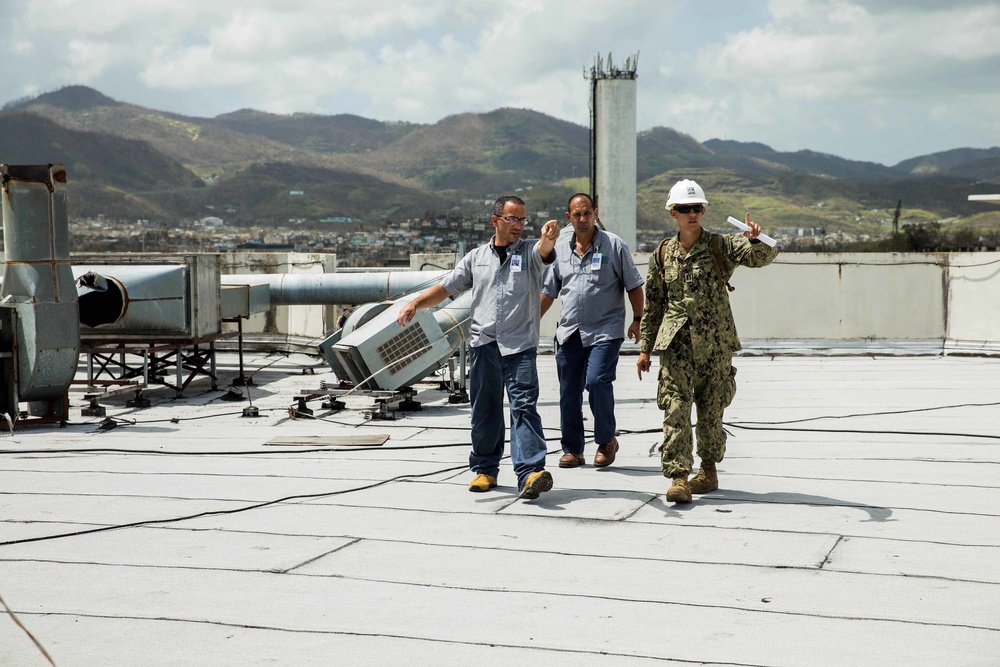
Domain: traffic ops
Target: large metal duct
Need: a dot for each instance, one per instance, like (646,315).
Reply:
(40,327)
(297,289)
(133,298)
(161,298)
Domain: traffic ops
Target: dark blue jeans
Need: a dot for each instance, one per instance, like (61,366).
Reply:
(489,373)
(594,369)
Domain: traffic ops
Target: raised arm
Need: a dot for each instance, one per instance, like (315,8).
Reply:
(547,241)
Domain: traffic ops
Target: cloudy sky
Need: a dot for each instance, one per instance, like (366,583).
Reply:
(878,80)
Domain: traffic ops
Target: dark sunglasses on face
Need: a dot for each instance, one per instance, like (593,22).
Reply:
(687,208)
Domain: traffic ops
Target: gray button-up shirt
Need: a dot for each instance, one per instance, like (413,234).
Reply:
(591,289)
(505,306)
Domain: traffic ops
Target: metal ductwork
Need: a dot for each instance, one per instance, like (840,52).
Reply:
(39,316)
(145,298)
(296,289)
(133,298)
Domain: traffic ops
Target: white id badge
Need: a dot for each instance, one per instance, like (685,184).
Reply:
(515,262)
(595,262)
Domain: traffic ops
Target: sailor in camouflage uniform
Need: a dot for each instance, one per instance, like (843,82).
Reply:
(688,320)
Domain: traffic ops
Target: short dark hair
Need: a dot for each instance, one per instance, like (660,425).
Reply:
(580,194)
(501,203)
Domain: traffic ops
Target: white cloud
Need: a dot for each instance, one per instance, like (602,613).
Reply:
(850,52)
(831,76)
(835,73)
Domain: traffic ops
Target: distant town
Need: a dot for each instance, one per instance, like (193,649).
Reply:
(392,242)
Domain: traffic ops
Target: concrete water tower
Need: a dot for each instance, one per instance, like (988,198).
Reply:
(612,144)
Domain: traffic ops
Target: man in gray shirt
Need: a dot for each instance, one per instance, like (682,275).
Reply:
(592,272)
(505,276)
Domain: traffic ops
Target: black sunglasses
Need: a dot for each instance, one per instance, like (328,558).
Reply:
(687,208)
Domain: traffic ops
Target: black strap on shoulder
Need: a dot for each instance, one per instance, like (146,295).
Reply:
(661,254)
(717,257)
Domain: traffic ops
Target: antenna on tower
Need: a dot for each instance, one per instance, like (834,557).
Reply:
(603,69)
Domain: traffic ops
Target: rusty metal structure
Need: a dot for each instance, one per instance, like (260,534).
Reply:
(39,310)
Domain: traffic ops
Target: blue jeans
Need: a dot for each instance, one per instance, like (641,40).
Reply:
(489,373)
(594,369)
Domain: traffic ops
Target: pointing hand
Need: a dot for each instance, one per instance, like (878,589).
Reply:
(550,230)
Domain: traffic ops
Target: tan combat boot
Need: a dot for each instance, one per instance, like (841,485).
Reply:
(679,491)
(706,480)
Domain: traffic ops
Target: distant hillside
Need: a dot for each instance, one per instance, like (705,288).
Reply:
(263,193)
(343,133)
(211,150)
(794,199)
(487,153)
(662,149)
(89,156)
(757,158)
(976,163)
(104,172)
(130,162)
(69,98)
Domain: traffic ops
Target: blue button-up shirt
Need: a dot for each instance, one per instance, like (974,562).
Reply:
(591,289)
(505,307)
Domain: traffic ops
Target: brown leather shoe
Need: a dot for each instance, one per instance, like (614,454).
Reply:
(569,460)
(605,455)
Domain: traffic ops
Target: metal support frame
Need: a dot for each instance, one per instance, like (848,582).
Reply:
(456,385)
(458,393)
(104,390)
(241,380)
(112,363)
(382,399)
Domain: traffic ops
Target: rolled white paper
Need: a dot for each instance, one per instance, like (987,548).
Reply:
(762,236)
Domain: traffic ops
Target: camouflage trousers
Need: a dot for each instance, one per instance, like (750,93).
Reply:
(706,381)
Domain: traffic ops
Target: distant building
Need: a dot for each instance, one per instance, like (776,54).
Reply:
(262,245)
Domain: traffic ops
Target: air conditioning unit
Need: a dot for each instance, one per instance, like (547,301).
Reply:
(379,354)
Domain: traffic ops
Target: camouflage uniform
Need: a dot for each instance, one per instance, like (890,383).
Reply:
(688,320)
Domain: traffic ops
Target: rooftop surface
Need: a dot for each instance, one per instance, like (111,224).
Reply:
(857,523)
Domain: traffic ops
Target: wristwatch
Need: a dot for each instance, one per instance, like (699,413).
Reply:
(637,318)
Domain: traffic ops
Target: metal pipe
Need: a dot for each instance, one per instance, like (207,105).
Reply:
(298,289)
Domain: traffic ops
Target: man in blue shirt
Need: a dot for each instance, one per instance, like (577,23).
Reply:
(592,272)
(505,276)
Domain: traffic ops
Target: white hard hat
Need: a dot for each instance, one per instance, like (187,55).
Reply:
(686,192)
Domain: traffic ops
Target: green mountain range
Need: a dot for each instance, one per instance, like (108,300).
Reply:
(249,167)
